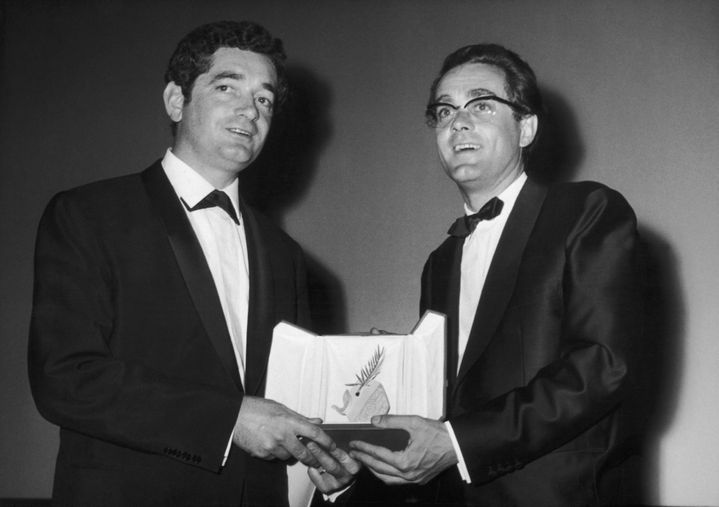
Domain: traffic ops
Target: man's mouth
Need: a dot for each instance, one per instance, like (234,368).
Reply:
(458,148)
(240,132)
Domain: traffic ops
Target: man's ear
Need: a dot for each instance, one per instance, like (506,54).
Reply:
(174,100)
(528,129)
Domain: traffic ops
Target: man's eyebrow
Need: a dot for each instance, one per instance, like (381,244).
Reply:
(226,74)
(270,88)
(479,92)
(442,98)
(475,92)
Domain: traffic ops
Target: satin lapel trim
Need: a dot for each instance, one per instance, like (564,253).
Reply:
(446,280)
(193,266)
(260,313)
(451,293)
(503,271)
(440,293)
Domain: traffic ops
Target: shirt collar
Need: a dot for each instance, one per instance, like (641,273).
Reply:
(508,196)
(190,186)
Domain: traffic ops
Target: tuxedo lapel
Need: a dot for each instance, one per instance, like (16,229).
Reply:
(502,274)
(260,314)
(193,266)
(444,297)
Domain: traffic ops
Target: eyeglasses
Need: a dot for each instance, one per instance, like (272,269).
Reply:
(441,114)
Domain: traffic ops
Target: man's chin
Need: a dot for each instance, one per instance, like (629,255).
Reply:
(241,157)
(464,174)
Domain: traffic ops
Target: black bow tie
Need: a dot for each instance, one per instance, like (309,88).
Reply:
(216,198)
(464,226)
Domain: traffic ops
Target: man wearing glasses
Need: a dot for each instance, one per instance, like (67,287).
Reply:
(542,289)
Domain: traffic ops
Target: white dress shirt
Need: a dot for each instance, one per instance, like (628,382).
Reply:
(477,253)
(224,245)
(225,248)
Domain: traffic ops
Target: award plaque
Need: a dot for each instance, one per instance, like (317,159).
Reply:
(347,379)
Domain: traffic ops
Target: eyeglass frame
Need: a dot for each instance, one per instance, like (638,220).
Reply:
(431,120)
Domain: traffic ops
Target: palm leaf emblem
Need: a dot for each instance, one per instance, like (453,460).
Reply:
(370,370)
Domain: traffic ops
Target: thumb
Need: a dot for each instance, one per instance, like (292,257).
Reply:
(391,421)
(378,420)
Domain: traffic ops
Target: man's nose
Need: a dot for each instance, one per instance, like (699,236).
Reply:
(462,120)
(247,108)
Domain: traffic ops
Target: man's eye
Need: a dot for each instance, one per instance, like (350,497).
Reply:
(443,112)
(222,88)
(265,102)
(482,107)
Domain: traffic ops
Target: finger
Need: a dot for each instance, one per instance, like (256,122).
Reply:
(320,479)
(375,465)
(315,433)
(338,462)
(390,480)
(350,464)
(325,482)
(375,451)
(300,452)
(393,421)
(326,461)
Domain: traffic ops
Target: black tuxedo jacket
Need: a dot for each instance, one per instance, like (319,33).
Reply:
(539,403)
(130,353)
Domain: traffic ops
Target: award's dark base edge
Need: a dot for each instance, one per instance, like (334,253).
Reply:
(392,438)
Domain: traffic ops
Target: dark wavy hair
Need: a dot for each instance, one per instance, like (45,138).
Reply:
(193,54)
(520,81)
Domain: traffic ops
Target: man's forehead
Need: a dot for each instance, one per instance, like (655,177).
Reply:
(241,64)
(472,80)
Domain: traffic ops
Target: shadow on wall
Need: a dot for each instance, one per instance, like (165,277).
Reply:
(653,399)
(282,174)
(663,353)
(285,169)
(559,149)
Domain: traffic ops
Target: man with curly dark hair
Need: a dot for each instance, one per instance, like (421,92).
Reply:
(155,299)
(193,55)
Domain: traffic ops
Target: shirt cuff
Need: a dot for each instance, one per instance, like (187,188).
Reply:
(461,465)
(333,496)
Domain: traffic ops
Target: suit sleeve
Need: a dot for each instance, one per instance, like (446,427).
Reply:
(78,382)
(600,321)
